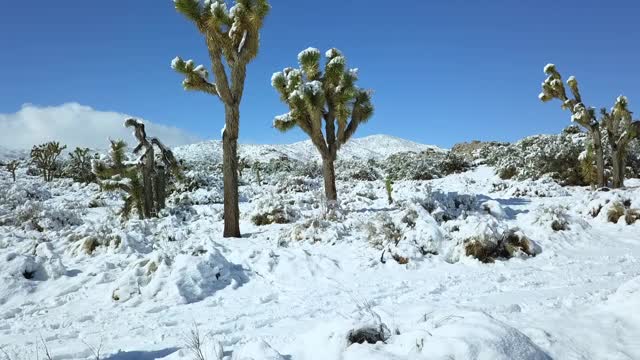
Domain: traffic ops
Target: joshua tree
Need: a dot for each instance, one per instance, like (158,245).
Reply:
(12,167)
(331,96)
(619,134)
(144,181)
(79,167)
(232,36)
(45,158)
(553,88)
(147,159)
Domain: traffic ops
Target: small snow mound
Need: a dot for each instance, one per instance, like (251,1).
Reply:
(184,279)
(43,266)
(456,334)
(256,350)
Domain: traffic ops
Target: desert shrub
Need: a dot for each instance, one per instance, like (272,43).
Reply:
(296,184)
(453,163)
(274,210)
(369,335)
(536,156)
(89,244)
(507,172)
(509,245)
(447,206)
(413,166)
(631,216)
(616,211)
(358,170)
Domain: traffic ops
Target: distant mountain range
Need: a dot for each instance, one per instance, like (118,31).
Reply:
(376,147)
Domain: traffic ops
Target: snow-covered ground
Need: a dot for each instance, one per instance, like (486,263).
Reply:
(74,277)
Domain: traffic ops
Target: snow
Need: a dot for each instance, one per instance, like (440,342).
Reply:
(175,61)
(284,118)
(201,71)
(297,290)
(370,147)
(219,5)
(307,52)
(331,53)
(548,68)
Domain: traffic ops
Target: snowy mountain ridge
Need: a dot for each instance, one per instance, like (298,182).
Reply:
(377,147)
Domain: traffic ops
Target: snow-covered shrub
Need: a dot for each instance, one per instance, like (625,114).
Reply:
(453,163)
(296,184)
(409,235)
(536,156)
(314,230)
(631,216)
(274,210)
(42,265)
(554,217)
(447,206)
(615,212)
(487,239)
(358,170)
(543,187)
(17,194)
(184,279)
(413,166)
(87,245)
(510,244)
(138,276)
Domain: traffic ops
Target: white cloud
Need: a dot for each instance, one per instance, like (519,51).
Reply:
(74,125)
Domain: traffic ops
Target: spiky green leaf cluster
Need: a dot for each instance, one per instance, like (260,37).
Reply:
(618,122)
(314,95)
(117,175)
(553,88)
(232,33)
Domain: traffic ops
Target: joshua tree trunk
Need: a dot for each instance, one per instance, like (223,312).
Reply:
(160,185)
(617,158)
(597,150)
(13,174)
(329,175)
(230,172)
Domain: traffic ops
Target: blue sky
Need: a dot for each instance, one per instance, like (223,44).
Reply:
(442,71)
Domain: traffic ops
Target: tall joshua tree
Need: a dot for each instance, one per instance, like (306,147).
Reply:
(553,88)
(314,96)
(619,133)
(232,36)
